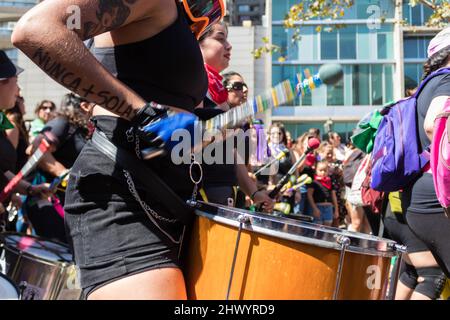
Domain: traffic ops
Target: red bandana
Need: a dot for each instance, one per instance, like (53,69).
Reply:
(216,91)
(325,181)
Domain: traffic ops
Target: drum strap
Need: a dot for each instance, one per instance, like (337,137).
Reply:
(140,171)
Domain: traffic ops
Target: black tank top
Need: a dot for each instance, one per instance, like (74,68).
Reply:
(161,69)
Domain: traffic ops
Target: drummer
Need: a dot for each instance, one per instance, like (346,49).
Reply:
(9,91)
(70,127)
(220,180)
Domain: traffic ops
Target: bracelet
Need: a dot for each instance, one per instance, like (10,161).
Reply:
(148,112)
(253,195)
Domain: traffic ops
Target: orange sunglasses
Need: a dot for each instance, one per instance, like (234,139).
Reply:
(203,14)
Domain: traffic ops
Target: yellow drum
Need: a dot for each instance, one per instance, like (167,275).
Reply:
(237,254)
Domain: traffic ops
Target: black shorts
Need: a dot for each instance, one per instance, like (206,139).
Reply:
(114,227)
(400,232)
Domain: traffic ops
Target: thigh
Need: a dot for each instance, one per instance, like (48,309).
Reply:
(156,284)
(434,231)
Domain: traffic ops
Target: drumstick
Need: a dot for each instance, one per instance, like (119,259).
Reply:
(29,166)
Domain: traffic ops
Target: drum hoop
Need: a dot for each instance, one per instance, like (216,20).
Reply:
(387,252)
(12,284)
(59,264)
(7,247)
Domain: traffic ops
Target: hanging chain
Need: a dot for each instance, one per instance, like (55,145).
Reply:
(149,211)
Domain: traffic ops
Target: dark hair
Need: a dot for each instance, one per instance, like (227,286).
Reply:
(17,118)
(331,135)
(314,132)
(227,76)
(436,61)
(282,129)
(211,30)
(70,108)
(39,105)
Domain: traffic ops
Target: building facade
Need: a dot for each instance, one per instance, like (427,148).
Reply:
(380,59)
(34,83)
(246,10)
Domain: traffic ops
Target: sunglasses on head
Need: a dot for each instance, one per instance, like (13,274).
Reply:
(238,86)
(203,14)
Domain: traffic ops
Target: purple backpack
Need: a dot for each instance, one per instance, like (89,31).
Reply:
(397,156)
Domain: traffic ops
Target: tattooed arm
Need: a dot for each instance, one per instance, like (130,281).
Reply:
(46,35)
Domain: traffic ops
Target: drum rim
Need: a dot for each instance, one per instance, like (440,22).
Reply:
(15,250)
(9,280)
(385,249)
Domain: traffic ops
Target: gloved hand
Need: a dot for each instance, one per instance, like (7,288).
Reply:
(158,133)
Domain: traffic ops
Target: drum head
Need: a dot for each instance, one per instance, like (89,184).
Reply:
(37,247)
(8,290)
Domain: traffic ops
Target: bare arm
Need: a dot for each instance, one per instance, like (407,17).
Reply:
(435,108)
(44,36)
(247,185)
(49,164)
(13,136)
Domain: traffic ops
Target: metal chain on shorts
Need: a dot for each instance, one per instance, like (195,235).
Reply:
(149,211)
(132,136)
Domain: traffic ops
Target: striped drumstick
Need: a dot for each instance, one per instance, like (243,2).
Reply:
(32,162)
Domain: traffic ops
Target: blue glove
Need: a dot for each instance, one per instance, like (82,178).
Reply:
(159,133)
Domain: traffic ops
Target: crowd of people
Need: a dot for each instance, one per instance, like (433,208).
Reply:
(125,240)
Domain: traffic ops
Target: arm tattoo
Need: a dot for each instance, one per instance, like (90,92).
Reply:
(111,14)
(74,82)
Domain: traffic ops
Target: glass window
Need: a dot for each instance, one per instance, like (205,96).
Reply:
(297,129)
(410,47)
(416,15)
(335,94)
(413,73)
(389,84)
(377,85)
(328,45)
(347,43)
(361,85)
(244,8)
(364,48)
(382,50)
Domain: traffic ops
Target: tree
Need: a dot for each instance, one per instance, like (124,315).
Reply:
(335,9)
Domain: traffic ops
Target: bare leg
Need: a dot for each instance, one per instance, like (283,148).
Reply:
(403,292)
(357,216)
(158,284)
(421,259)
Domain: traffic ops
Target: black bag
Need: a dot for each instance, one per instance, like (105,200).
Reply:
(351,165)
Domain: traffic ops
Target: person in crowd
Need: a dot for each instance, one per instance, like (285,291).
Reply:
(44,112)
(70,127)
(321,196)
(236,87)
(328,153)
(424,214)
(340,150)
(19,134)
(145,58)
(9,91)
(277,143)
(19,137)
(357,220)
(305,167)
(315,132)
(220,180)
(413,284)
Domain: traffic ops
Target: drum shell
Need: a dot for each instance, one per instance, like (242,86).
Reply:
(273,268)
(42,279)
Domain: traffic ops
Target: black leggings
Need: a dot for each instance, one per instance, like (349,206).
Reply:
(434,230)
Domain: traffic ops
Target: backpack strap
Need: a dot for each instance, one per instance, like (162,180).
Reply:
(431,76)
